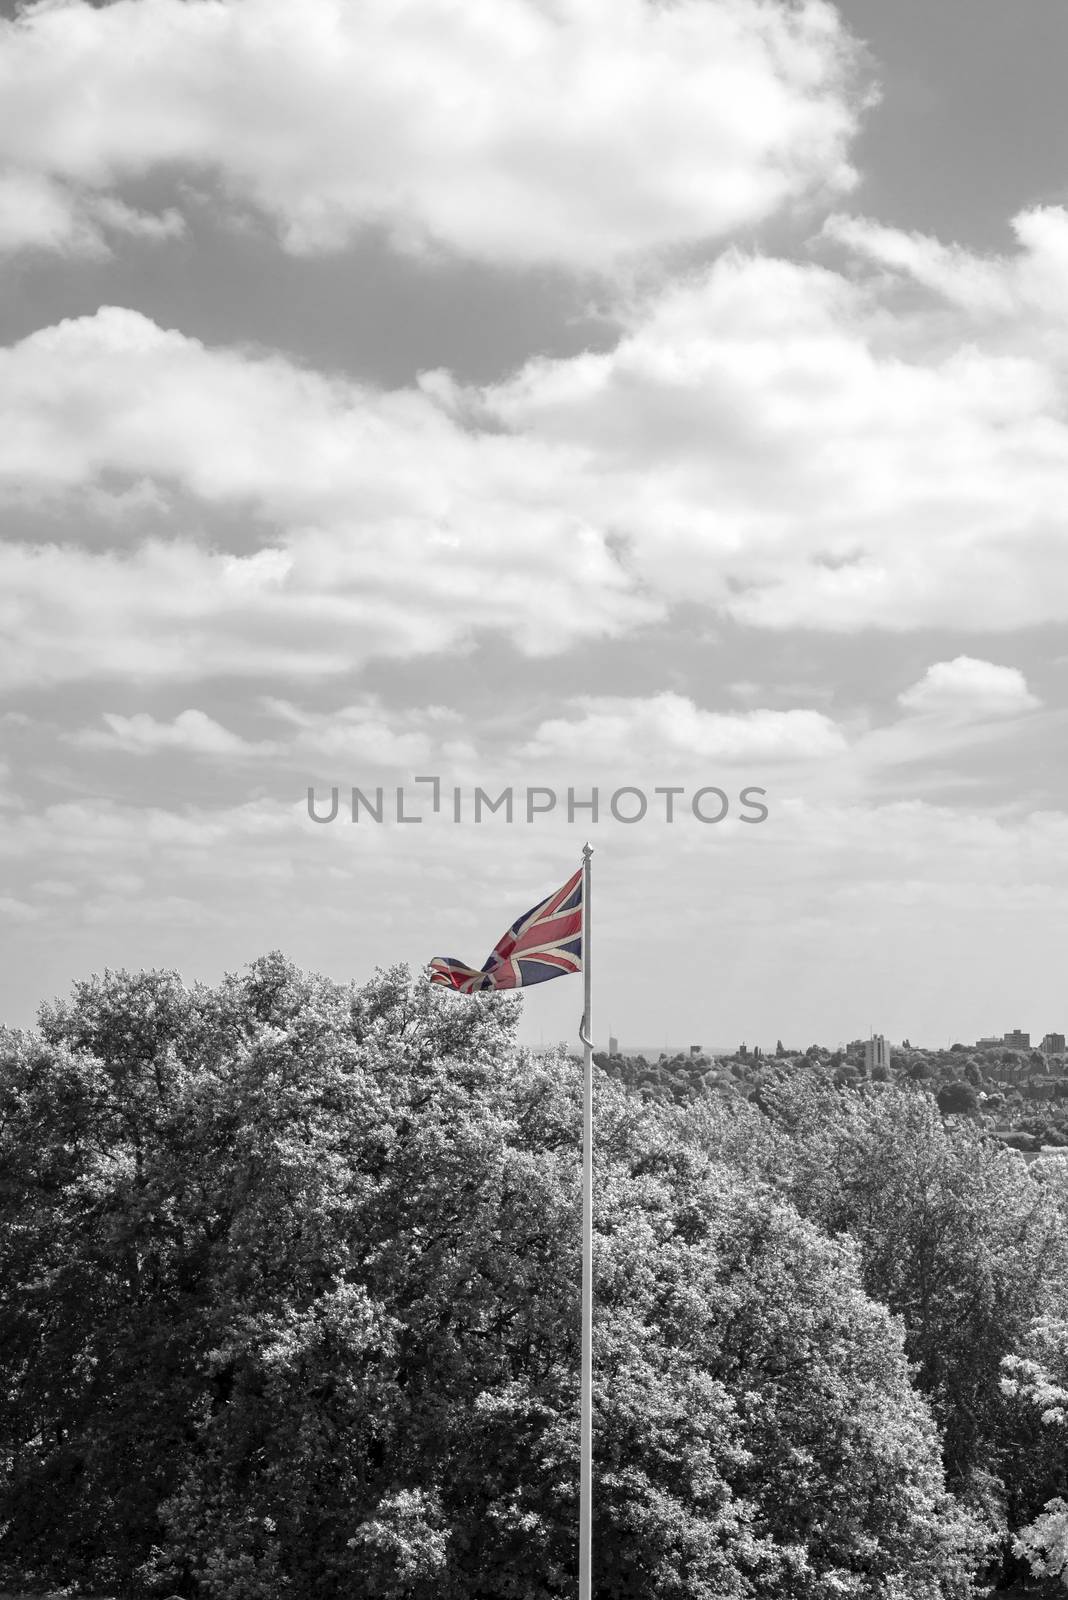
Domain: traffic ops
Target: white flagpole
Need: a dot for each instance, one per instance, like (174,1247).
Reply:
(586,1384)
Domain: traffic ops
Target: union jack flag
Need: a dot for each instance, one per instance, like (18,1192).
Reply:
(545,942)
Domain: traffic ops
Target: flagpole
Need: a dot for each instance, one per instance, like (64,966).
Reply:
(586,1383)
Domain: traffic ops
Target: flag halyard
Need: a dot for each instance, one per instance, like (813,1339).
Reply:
(545,942)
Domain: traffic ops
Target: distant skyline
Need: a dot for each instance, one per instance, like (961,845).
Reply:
(604,394)
(831,1042)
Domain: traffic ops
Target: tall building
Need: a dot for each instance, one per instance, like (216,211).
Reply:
(876,1053)
(613,1045)
(1016,1039)
(1053,1044)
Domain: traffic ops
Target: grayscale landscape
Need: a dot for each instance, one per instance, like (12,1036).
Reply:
(562,490)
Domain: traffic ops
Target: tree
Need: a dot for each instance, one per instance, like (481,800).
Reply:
(288,1308)
(957,1099)
(1035,1388)
(953,1234)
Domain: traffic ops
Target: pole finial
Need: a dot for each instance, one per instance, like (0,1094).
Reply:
(587,850)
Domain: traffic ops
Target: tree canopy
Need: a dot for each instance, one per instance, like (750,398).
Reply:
(289,1308)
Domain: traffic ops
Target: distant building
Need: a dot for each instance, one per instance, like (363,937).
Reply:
(1016,1039)
(992,1043)
(1053,1044)
(613,1045)
(695,1049)
(876,1053)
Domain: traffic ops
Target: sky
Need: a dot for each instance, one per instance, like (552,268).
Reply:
(605,396)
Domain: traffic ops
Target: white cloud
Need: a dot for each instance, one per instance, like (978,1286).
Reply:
(962,723)
(365,731)
(367,556)
(777,442)
(178,613)
(165,612)
(369,732)
(796,449)
(521,131)
(37,213)
(1003,286)
(18,910)
(670,728)
(154,226)
(98,838)
(970,727)
(192,731)
(965,688)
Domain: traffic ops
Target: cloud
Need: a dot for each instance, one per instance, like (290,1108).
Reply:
(379,736)
(798,448)
(671,728)
(969,726)
(965,688)
(365,731)
(170,613)
(177,613)
(361,556)
(783,444)
(192,731)
(16,910)
(995,285)
(97,838)
(962,726)
(58,888)
(824,917)
(37,213)
(584,134)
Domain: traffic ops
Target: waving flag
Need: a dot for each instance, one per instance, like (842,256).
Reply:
(543,943)
(546,942)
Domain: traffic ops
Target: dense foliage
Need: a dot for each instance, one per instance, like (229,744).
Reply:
(288,1308)
(1022,1095)
(1035,1387)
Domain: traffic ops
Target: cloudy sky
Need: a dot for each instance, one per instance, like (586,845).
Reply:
(563,393)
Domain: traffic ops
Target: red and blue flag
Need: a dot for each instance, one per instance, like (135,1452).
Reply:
(545,942)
